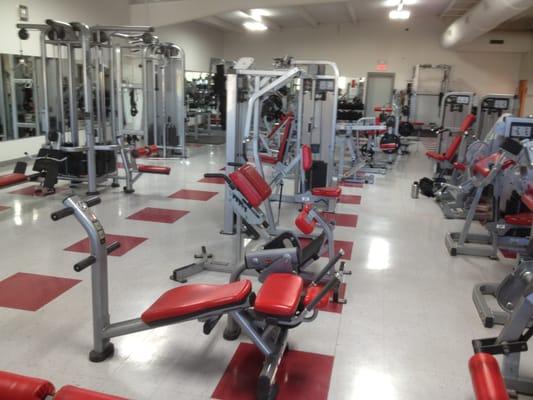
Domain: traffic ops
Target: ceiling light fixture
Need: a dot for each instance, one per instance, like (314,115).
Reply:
(400,13)
(396,3)
(255,26)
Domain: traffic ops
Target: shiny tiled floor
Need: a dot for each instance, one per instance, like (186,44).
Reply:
(404,334)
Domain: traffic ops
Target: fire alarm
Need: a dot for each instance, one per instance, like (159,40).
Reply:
(23,13)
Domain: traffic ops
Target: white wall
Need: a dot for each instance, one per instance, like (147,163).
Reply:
(358,48)
(90,12)
(199,41)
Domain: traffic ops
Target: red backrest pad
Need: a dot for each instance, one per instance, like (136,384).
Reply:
(280,294)
(302,223)
(75,393)
(244,186)
(486,378)
(454,145)
(257,181)
(307,157)
(20,387)
(285,138)
(467,122)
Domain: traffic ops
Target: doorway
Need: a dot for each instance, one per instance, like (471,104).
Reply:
(379,89)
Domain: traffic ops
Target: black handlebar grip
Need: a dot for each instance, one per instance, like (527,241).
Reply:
(86,262)
(112,247)
(93,201)
(328,266)
(235,164)
(65,212)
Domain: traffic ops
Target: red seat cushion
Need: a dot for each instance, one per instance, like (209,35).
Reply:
(522,219)
(268,159)
(279,296)
(436,156)
(484,166)
(307,157)
(301,221)
(459,166)
(251,184)
(153,169)
(12,178)
(20,387)
(75,393)
(326,191)
(188,300)
(527,199)
(486,377)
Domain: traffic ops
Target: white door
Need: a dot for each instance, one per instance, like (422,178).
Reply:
(379,88)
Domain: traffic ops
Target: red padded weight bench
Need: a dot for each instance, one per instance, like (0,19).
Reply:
(487,379)
(446,159)
(283,145)
(17,176)
(21,387)
(153,169)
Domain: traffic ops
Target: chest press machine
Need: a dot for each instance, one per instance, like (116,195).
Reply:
(281,304)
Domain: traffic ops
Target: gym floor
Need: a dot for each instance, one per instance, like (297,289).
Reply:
(404,334)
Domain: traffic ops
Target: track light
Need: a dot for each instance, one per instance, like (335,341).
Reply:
(400,13)
(255,26)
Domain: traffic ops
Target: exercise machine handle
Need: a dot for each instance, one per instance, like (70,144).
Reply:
(328,267)
(88,261)
(235,164)
(65,212)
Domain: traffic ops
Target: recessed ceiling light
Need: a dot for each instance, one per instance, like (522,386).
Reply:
(399,14)
(394,3)
(255,26)
(257,13)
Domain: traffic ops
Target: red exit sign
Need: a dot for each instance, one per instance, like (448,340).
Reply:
(382,67)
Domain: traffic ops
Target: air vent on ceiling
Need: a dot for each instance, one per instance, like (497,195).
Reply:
(496,41)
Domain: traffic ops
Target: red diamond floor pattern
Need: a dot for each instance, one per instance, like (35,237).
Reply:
(31,292)
(163,215)
(127,243)
(301,375)
(188,194)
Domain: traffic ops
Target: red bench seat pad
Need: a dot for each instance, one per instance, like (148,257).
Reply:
(486,377)
(9,179)
(326,191)
(522,219)
(527,199)
(20,387)
(484,166)
(188,300)
(279,296)
(268,159)
(436,156)
(75,393)
(153,169)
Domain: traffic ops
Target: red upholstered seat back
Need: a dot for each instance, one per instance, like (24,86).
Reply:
(307,157)
(251,184)
(75,393)
(453,147)
(285,138)
(279,296)
(486,377)
(20,387)
(301,221)
(467,122)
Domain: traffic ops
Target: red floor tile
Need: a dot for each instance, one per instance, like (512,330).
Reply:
(301,375)
(335,307)
(220,181)
(162,215)
(348,220)
(508,253)
(30,191)
(352,184)
(187,194)
(3,208)
(30,292)
(127,243)
(350,199)
(337,245)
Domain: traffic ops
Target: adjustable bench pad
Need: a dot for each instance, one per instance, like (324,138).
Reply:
(326,191)
(19,387)
(484,166)
(153,169)
(188,300)
(75,393)
(280,295)
(9,179)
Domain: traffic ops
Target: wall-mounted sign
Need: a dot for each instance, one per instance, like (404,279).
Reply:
(23,13)
(382,66)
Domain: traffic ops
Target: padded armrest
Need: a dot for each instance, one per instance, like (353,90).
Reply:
(75,393)
(20,387)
